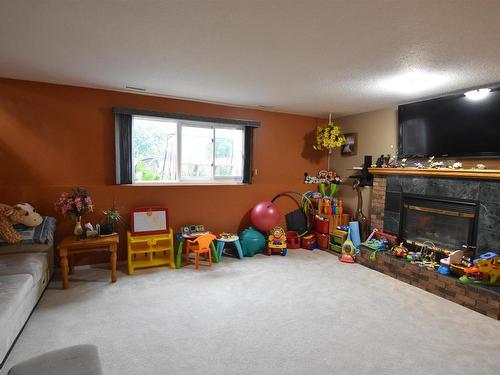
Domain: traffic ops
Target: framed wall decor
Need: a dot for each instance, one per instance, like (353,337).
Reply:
(149,220)
(350,147)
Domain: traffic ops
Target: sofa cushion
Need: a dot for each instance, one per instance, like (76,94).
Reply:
(19,248)
(34,264)
(13,289)
(74,360)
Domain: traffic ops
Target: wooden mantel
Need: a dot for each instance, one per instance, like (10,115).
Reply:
(475,174)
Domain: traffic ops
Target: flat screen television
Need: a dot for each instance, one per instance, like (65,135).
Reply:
(450,126)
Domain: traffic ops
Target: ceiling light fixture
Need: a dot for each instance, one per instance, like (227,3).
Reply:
(412,82)
(477,94)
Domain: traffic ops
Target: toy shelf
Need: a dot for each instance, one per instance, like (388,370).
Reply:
(150,251)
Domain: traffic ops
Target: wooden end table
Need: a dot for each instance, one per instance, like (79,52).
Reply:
(70,246)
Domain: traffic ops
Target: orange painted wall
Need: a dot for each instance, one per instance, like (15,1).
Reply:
(55,137)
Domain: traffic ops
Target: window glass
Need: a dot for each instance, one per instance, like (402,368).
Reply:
(228,152)
(154,149)
(197,152)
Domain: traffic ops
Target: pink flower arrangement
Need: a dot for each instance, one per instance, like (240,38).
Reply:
(75,204)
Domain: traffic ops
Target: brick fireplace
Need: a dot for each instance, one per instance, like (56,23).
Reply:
(481,201)
(388,192)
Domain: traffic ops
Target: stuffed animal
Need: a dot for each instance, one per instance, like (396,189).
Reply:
(31,218)
(8,217)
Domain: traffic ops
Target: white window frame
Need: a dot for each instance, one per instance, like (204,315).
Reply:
(194,180)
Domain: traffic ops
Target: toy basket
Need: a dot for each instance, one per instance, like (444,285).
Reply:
(308,242)
(323,240)
(322,225)
(292,240)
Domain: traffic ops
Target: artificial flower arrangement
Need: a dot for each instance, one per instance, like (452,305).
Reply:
(75,204)
(328,137)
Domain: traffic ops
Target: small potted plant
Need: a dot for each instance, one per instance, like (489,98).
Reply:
(111,217)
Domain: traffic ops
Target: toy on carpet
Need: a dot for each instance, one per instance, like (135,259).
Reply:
(252,242)
(337,238)
(298,220)
(292,240)
(265,215)
(348,250)
(308,242)
(276,242)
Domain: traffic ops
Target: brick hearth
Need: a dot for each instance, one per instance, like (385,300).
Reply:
(485,300)
(378,202)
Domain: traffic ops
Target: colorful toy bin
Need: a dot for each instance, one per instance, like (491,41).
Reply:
(309,242)
(322,224)
(252,242)
(322,240)
(292,240)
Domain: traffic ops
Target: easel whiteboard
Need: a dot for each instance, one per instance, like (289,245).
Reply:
(152,220)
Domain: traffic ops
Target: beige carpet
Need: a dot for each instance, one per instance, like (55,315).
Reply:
(305,313)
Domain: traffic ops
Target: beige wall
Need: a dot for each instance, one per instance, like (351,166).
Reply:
(377,131)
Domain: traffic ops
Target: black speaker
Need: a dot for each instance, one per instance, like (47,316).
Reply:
(366,178)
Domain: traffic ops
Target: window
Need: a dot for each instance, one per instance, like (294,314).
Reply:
(170,150)
(164,147)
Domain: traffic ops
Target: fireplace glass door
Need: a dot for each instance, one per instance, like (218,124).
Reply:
(448,224)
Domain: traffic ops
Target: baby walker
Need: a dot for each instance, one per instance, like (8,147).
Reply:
(276,242)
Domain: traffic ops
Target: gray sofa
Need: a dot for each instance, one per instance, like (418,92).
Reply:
(25,271)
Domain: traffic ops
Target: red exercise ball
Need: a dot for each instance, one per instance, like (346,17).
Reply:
(265,215)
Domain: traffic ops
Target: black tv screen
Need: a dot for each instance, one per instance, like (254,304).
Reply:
(450,126)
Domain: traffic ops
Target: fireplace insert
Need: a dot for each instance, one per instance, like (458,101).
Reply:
(450,224)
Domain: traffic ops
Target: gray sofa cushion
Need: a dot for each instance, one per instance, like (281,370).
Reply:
(34,264)
(20,248)
(74,360)
(13,288)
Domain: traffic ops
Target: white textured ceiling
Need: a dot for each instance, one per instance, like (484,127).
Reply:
(307,57)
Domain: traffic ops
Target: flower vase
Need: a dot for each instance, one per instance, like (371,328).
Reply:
(78,231)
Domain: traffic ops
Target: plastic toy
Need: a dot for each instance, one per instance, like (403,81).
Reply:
(486,272)
(414,257)
(488,256)
(292,240)
(276,242)
(348,250)
(298,220)
(399,251)
(322,240)
(322,224)
(229,239)
(265,215)
(201,245)
(252,242)
(193,229)
(309,242)
(337,238)
(150,251)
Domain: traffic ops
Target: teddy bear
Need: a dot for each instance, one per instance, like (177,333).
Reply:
(8,217)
